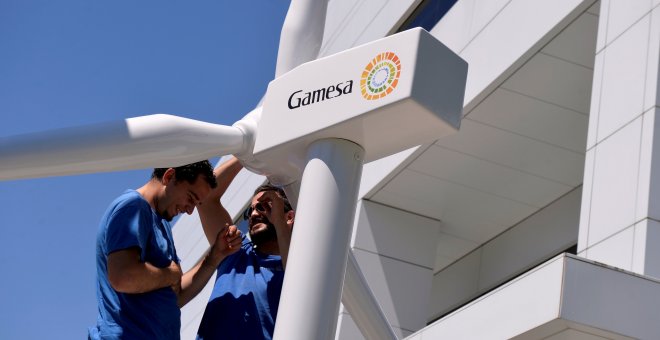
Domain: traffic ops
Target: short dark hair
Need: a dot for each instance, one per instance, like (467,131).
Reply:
(189,173)
(280,192)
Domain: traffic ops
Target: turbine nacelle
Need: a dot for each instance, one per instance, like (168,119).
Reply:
(386,96)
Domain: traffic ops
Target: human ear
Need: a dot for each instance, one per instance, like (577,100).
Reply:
(168,175)
(290,216)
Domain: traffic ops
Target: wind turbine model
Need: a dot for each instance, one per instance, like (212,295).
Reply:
(320,122)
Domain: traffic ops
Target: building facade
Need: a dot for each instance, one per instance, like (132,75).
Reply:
(540,218)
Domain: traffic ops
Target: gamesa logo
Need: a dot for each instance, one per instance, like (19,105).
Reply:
(381,76)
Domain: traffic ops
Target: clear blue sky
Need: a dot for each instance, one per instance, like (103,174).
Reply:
(74,62)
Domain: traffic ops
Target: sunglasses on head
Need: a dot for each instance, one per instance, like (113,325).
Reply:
(259,206)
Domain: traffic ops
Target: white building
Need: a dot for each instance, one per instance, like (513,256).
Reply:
(539,219)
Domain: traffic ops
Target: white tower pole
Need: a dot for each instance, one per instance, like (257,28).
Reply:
(300,41)
(319,247)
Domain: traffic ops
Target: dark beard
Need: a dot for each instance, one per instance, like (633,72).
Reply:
(263,236)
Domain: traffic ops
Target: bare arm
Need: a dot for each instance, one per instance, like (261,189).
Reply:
(283,222)
(284,237)
(128,275)
(223,237)
(213,215)
(228,241)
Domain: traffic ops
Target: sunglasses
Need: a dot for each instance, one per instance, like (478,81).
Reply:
(260,207)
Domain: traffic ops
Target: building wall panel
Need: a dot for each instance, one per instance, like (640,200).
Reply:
(381,229)
(542,235)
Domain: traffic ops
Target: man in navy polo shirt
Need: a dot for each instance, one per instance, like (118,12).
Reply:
(246,294)
(140,286)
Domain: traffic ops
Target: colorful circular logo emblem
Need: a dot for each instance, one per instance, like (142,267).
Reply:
(381,76)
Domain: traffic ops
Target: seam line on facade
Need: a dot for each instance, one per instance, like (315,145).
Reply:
(481,246)
(400,209)
(476,34)
(496,83)
(607,44)
(340,28)
(566,60)
(617,130)
(393,258)
(509,167)
(543,100)
(475,189)
(403,165)
(610,236)
(373,18)
(528,137)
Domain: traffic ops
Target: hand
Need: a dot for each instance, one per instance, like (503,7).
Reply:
(176,287)
(176,273)
(227,242)
(275,212)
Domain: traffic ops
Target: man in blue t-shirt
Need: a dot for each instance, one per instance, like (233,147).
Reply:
(246,294)
(140,286)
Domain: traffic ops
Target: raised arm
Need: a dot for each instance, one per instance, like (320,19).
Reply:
(220,232)
(283,222)
(228,241)
(213,215)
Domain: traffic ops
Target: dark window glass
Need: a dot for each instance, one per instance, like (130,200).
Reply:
(427,14)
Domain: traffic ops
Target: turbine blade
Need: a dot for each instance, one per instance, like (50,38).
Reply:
(152,141)
(302,34)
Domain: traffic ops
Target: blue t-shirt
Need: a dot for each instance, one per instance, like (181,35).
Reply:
(245,297)
(130,222)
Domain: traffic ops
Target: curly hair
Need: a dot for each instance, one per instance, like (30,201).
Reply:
(189,173)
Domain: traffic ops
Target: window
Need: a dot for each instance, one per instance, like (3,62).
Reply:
(427,14)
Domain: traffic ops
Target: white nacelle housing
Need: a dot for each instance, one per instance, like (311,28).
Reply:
(387,96)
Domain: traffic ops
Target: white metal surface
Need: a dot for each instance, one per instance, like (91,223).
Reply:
(539,237)
(302,34)
(621,208)
(564,293)
(361,303)
(521,144)
(354,22)
(142,142)
(419,101)
(309,303)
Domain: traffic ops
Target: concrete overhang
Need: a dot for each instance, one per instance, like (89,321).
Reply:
(567,297)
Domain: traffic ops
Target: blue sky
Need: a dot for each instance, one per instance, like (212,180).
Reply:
(68,63)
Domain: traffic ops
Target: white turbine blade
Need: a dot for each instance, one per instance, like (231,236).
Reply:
(300,42)
(143,142)
(302,34)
